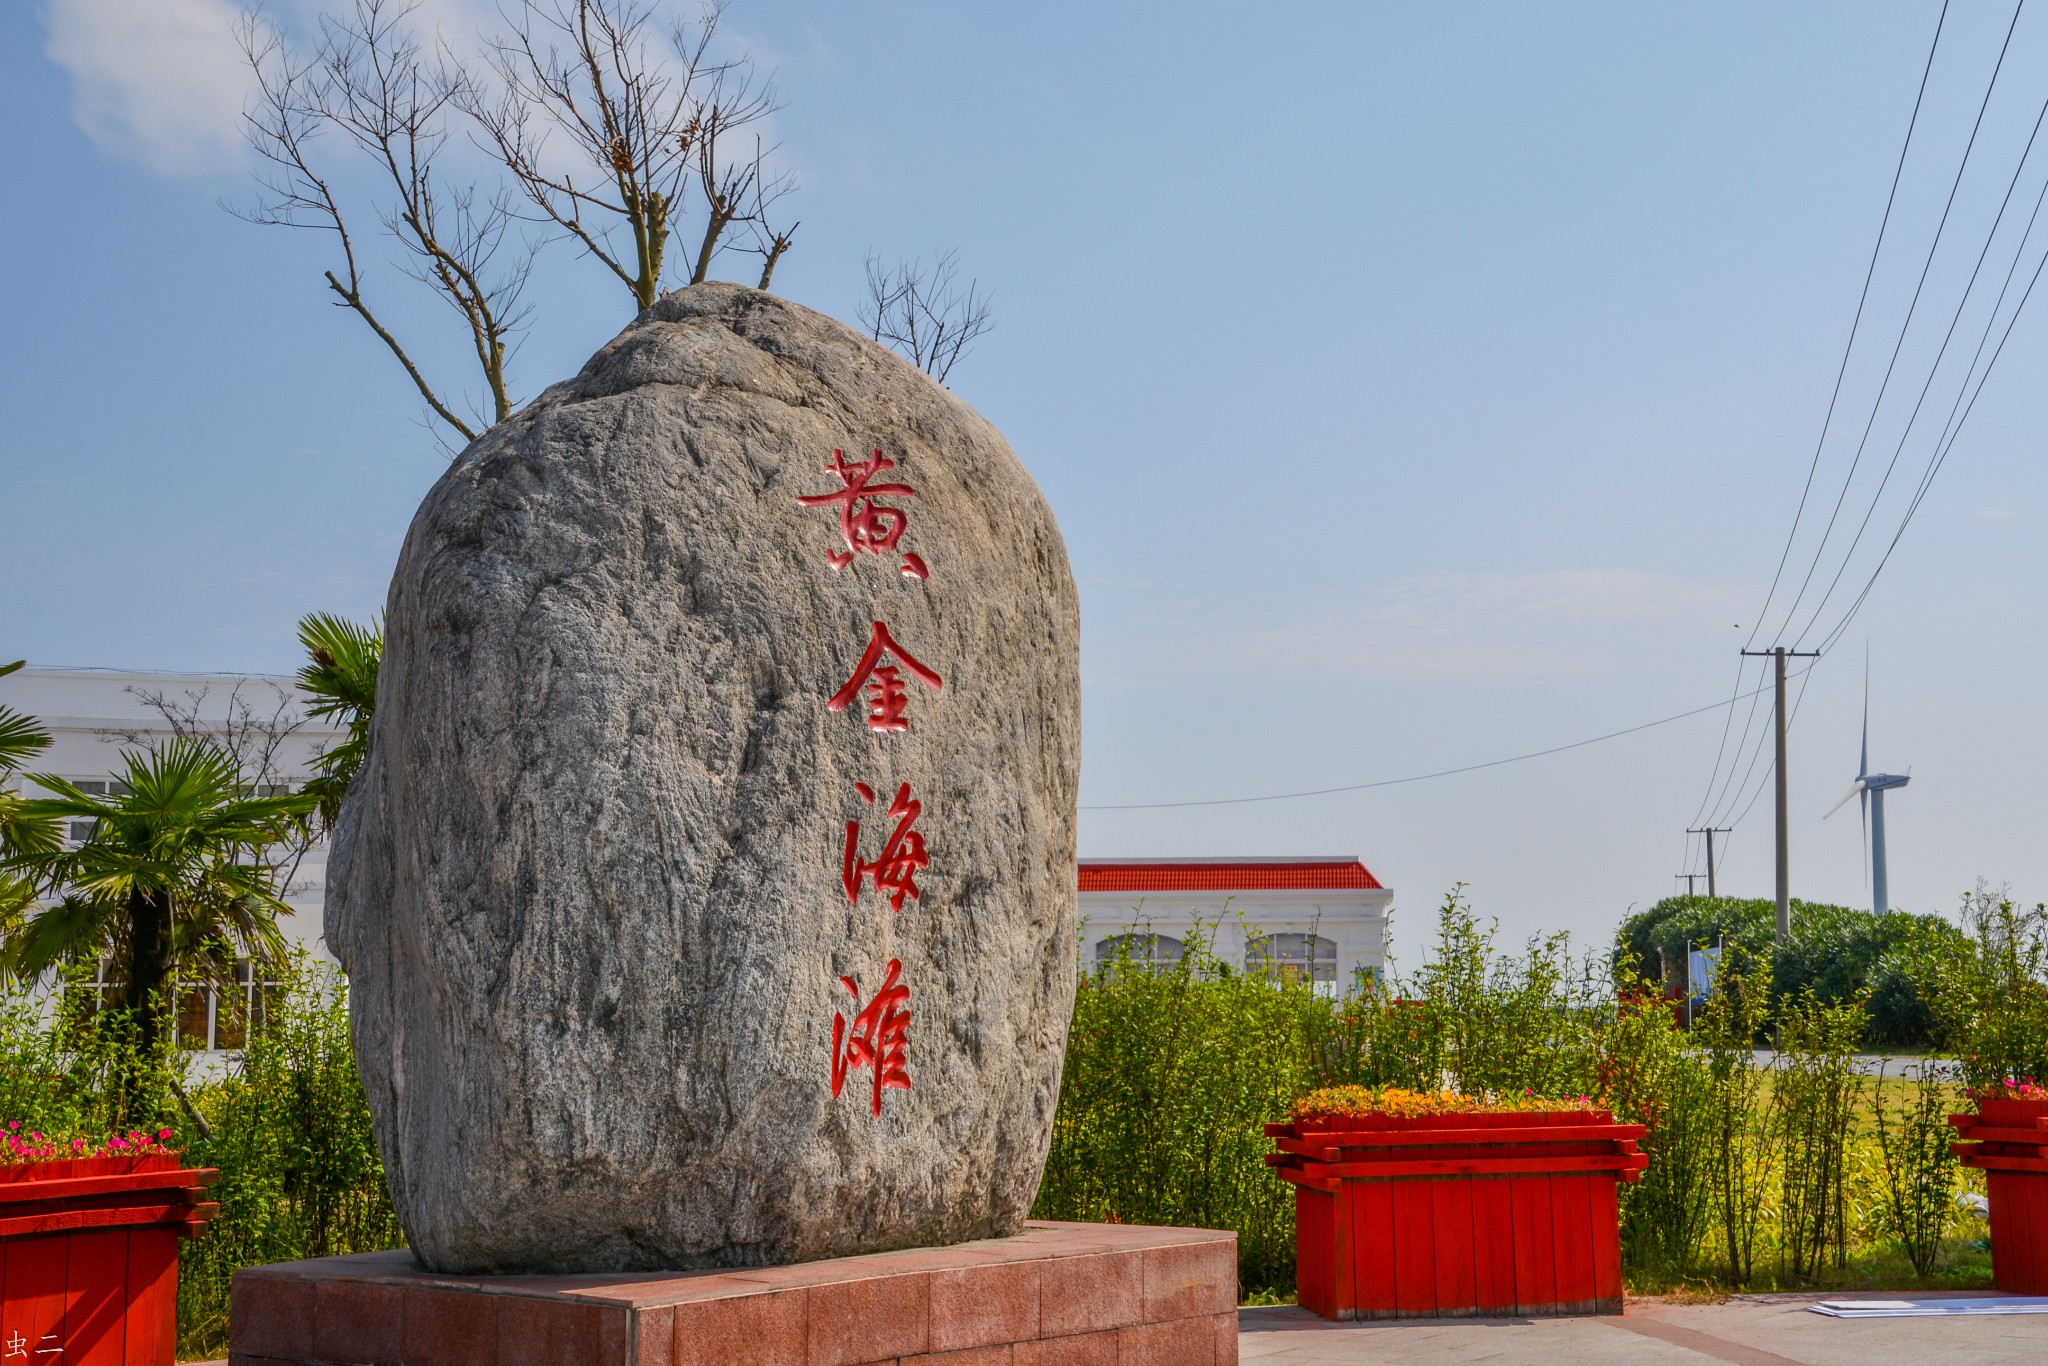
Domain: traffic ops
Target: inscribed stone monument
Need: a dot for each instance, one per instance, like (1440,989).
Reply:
(707,895)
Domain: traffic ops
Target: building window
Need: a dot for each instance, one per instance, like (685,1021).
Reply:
(206,1018)
(1290,958)
(79,830)
(1156,953)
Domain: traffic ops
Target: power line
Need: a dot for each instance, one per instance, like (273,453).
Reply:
(1834,397)
(1418,777)
(1849,347)
(1940,459)
(1912,308)
(1990,321)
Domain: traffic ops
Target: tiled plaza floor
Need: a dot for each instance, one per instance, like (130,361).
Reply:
(1753,1330)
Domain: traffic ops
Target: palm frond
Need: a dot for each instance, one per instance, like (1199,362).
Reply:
(21,735)
(342,673)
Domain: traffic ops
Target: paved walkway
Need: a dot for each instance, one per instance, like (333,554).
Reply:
(1752,1330)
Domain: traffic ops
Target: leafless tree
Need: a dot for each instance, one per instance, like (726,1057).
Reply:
(924,312)
(366,80)
(640,119)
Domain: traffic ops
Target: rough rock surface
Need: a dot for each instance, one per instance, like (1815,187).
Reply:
(589,886)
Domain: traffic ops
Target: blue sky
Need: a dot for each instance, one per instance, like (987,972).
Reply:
(1415,385)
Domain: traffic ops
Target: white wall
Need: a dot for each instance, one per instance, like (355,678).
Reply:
(1356,918)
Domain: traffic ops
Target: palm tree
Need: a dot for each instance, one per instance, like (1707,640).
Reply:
(21,739)
(171,883)
(342,680)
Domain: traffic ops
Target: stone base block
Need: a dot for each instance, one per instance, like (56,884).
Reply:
(1053,1295)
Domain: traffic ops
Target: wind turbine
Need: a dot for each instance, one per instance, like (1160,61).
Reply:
(1871,787)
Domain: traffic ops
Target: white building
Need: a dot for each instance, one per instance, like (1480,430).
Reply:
(94,714)
(1323,918)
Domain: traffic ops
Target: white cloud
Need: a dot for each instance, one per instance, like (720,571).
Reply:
(160,82)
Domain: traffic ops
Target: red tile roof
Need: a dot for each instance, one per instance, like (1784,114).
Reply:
(1224,875)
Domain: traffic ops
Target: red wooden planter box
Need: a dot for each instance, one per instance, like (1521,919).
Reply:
(1492,1214)
(2008,1141)
(89,1258)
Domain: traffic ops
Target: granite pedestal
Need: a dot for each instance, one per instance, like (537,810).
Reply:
(1053,1295)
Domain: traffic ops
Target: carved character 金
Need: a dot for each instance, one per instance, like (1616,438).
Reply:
(903,857)
(884,682)
(879,1038)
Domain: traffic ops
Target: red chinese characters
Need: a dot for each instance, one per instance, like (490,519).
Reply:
(866,526)
(878,1038)
(894,874)
(886,694)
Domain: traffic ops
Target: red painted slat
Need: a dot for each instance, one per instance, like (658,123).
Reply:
(153,1297)
(1414,1248)
(120,1216)
(1575,1133)
(1607,1280)
(1493,1247)
(1480,1166)
(1535,1276)
(1570,1212)
(170,1183)
(96,1298)
(32,1302)
(1315,1236)
(1456,1276)
(1372,1238)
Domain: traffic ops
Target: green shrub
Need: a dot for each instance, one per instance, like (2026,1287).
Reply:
(1170,1076)
(1988,990)
(300,1172)
(1920,1167)
(1651,1076)
(1815,1090)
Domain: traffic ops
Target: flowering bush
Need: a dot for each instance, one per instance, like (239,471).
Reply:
(32,1145)
(1356,1102)
(2014,1088)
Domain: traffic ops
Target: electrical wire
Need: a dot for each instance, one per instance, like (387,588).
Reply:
(1834,397)
(1413,778)
(1990,321)
(1912,308)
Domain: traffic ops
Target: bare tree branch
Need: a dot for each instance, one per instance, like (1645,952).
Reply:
(923,312)
(586,72)
(367,79)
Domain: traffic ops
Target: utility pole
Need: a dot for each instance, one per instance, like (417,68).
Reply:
(1710,831)
(1690,878)
(1781,654)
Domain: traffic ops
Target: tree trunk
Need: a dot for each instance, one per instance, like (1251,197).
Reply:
(147,999)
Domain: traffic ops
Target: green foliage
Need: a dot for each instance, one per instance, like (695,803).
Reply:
(1494,1022)
(1919,1168)
(1988,990)
(1169,1077)
(340,676)
(1835,954)
(300,1172)
(1815,1091)
(21,739)
(1741,1120)
(171,884)
(67,1066)
(1651,1076)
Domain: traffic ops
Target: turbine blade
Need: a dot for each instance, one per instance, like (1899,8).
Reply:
(1853,790)
(1863,764)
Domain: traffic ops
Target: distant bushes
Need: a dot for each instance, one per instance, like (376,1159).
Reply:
(1836,954)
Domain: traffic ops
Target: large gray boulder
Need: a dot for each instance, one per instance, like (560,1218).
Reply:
(590,886)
